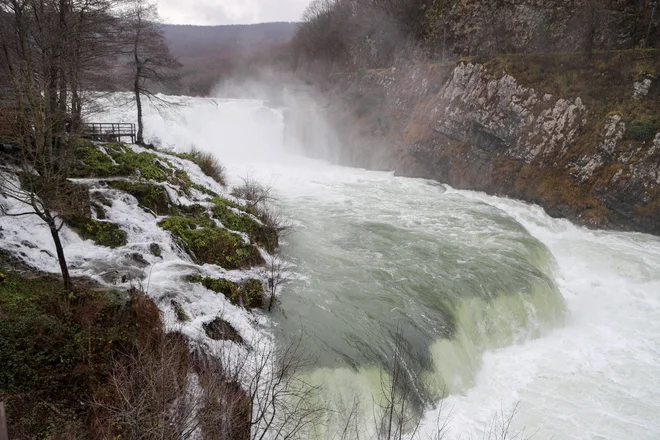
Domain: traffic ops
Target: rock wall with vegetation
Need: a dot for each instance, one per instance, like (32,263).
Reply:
(577,134)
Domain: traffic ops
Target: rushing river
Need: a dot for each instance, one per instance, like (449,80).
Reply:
(497,305)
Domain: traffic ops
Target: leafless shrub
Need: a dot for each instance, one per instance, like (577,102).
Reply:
(167,386)
(261,201)
(397,417)
(156,395)
(277,275)
(284,406)
(255,193)
(500,427)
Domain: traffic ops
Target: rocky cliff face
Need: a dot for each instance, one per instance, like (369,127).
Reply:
(583,144)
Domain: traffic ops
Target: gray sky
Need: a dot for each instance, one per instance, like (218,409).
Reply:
(210,12)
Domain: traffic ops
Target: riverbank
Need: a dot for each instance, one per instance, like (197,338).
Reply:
(166,262)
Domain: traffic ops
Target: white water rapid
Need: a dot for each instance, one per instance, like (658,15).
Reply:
(499,305)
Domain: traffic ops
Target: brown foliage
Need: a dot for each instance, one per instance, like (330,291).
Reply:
(209,164)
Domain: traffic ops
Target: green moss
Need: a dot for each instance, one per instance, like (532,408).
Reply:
(150,196)
(260,234)
(155,250)
(196,210)
(249,294)
(642,131)
(208,243)
(149,165)
(203,190)
(252,293)
(219,285)
(181,314)
(100,211)
(183,180)
(119,160)
(93,162)
(103,233)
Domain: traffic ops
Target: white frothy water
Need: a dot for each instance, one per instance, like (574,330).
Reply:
(597,376)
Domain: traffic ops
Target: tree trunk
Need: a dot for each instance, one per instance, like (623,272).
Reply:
(60,253)
(648,32)
(272,300)
(590,28)
(138,103)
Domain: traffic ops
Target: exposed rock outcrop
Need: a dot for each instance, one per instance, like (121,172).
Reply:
(564,132)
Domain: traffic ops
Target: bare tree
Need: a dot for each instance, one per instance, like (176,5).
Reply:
(152,65)
(277,275)
(35,171)
(49,49)
(397,416)
(46,195)
(156,391)
(284,406)
(645,42)
(590,10)
(162,389)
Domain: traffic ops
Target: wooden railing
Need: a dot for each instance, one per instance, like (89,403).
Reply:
(108,131)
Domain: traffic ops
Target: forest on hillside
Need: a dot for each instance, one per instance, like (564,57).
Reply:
(353,34)
(211,54)
(344,36)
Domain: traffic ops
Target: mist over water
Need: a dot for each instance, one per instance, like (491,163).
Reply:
(498,304)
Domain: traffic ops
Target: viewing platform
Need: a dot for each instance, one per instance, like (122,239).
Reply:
(108,131)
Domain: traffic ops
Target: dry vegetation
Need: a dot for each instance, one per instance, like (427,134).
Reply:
(207,162)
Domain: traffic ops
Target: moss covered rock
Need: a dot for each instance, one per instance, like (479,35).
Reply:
(180,313)
(238,218)
(249,294)
(99,210)
(221,330)
(252,294)
(205,242)
(150,196)
(219,285)
(155,250)
(119,160)
(93,161)
(103,233)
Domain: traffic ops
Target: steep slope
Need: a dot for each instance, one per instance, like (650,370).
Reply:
(156,220)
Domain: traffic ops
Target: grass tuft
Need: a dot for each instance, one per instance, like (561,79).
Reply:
(206,161)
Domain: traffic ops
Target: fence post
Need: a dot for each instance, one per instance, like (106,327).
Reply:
(4,435)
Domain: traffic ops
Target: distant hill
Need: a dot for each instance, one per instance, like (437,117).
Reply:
(210,54)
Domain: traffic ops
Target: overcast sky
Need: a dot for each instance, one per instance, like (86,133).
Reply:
(210,12)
